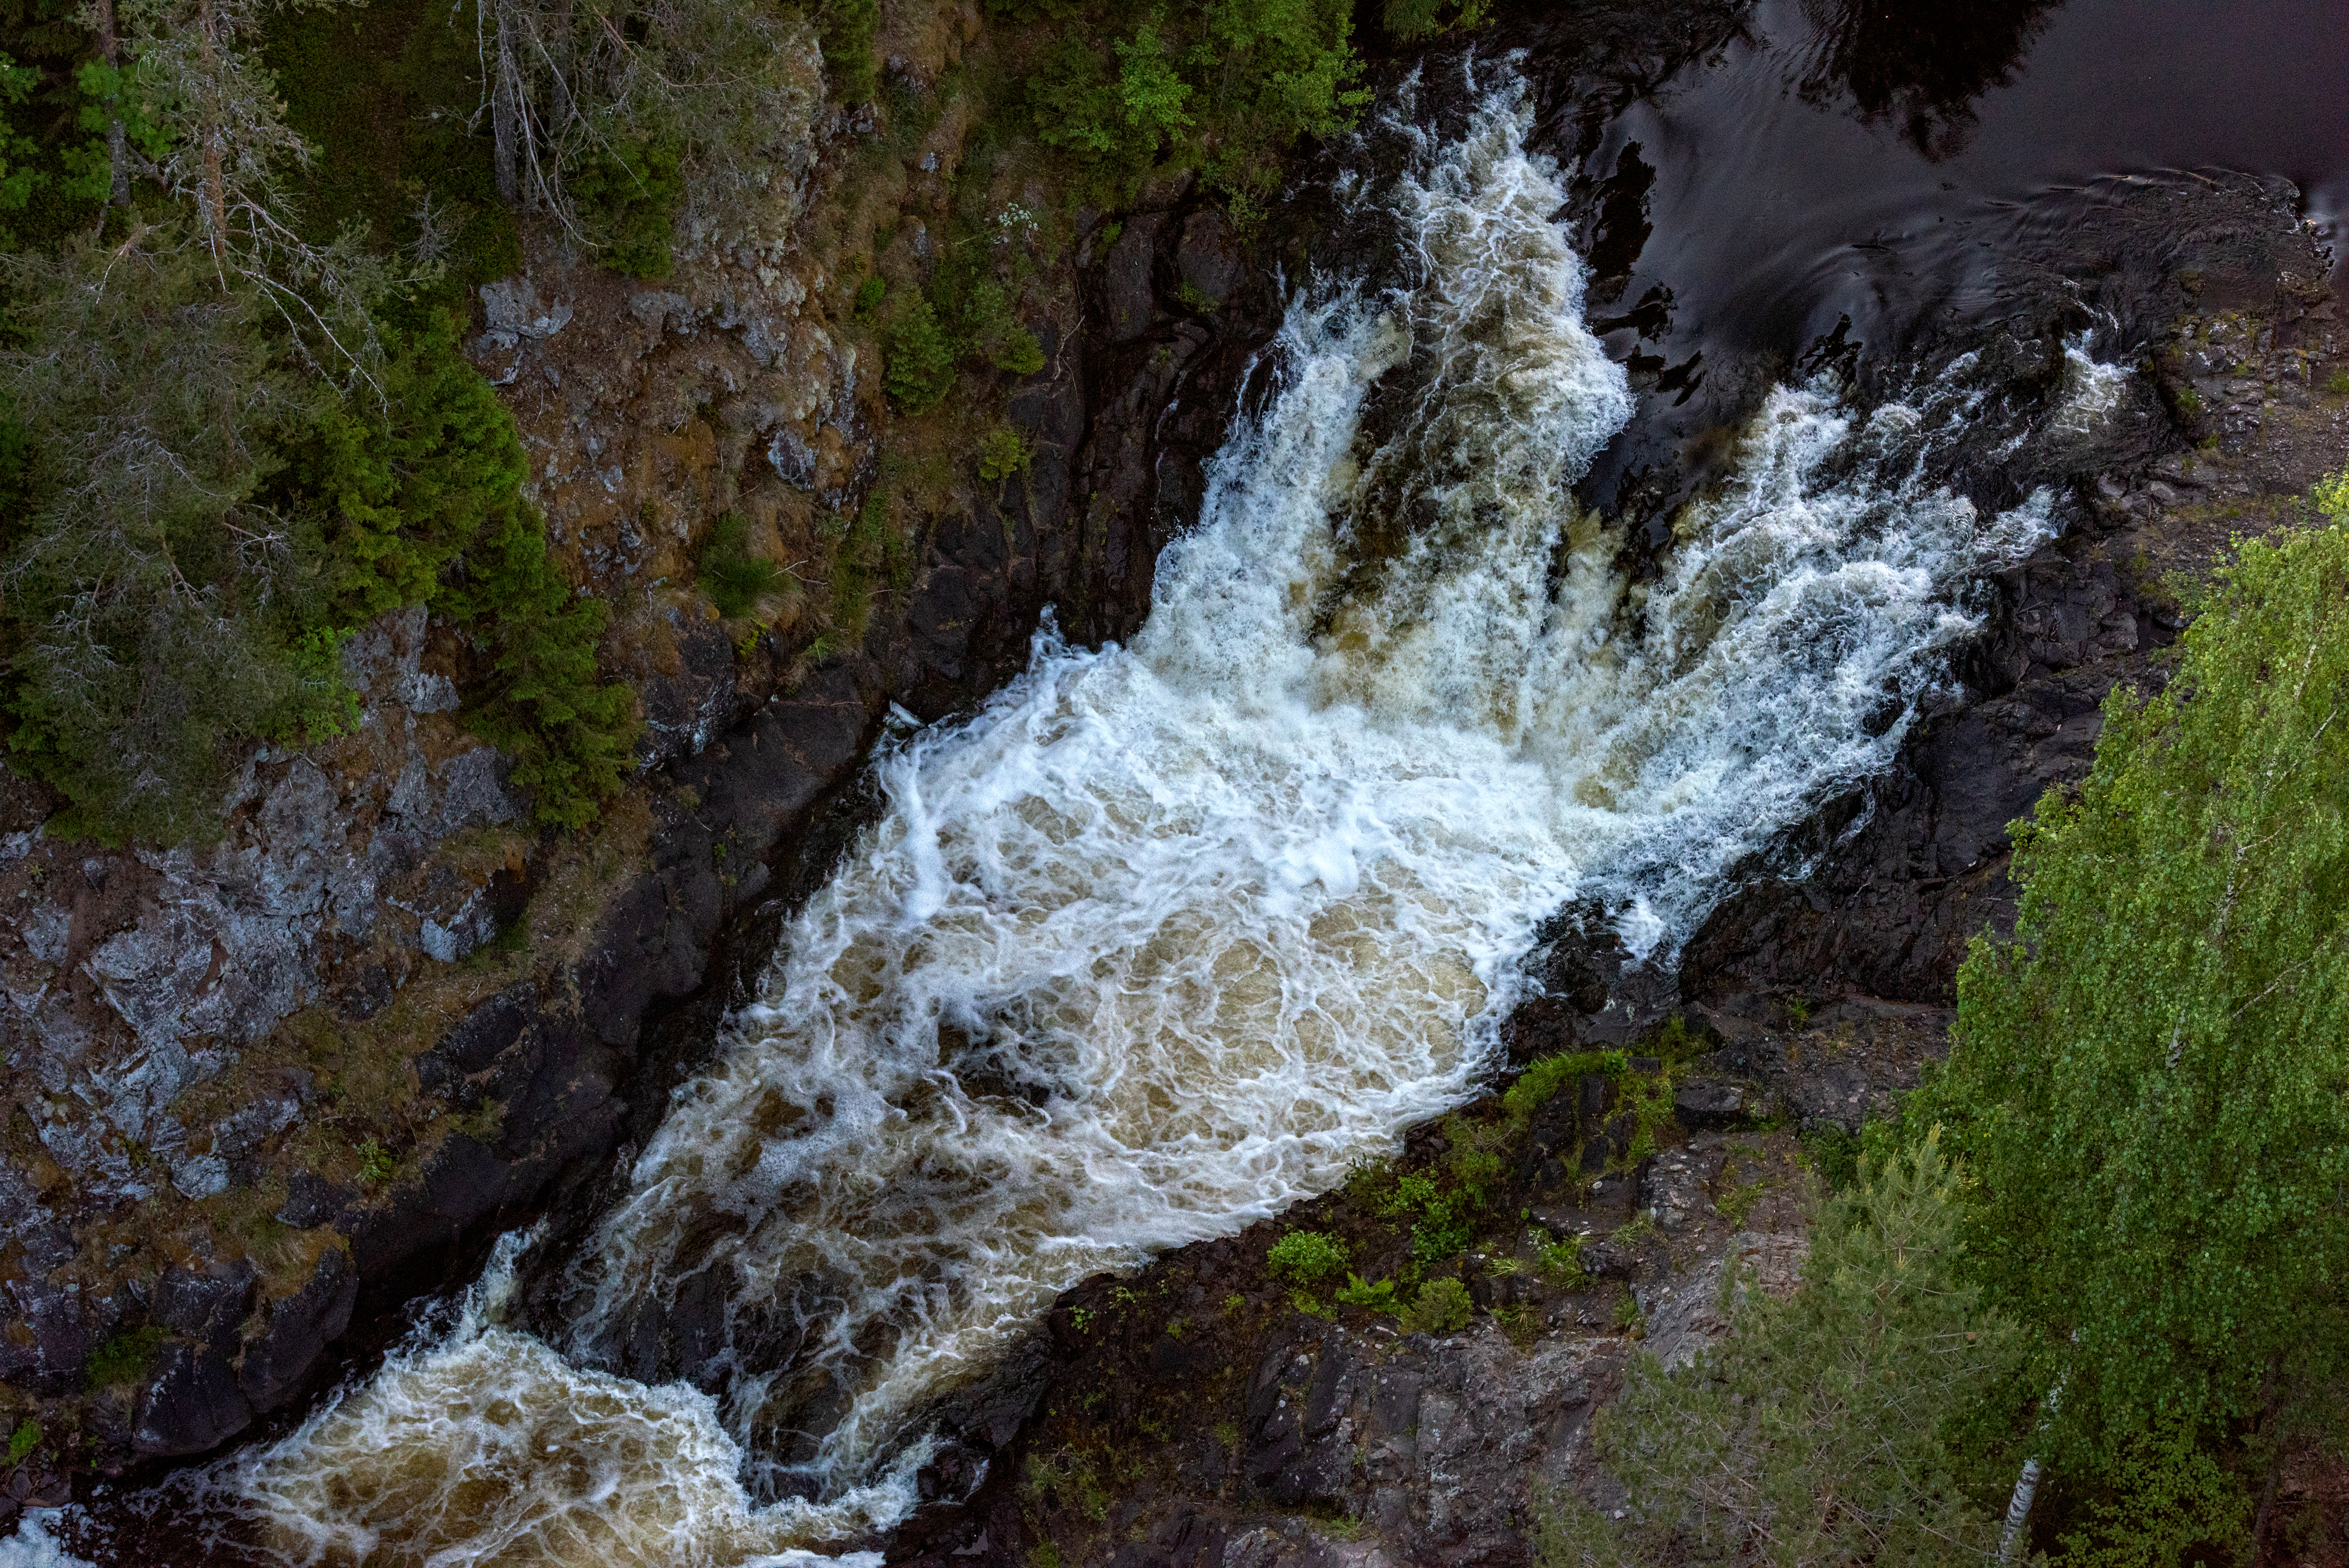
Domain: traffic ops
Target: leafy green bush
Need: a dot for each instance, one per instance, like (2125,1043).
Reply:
(1818,1431)
(1227,85)
(1002,453)
(2147,1075)
(1378,1296)
(1307,1259)
(124,1358)
(1410,21)
(1542,1078)
(1442,1306)
(734,579)
(847,28)
(919,366)
(23,1441)
(1561,1264)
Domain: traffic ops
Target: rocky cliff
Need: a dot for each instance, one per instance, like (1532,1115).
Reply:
(263,1092)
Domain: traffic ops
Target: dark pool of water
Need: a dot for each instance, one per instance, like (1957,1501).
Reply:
(1854,164)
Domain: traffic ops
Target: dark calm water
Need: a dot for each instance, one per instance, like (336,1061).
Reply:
(1855,161)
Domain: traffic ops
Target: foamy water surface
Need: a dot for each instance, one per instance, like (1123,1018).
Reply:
(1167,935)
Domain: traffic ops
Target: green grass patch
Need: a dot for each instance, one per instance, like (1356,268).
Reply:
(124,1359)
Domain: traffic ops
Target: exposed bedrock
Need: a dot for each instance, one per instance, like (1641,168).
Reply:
(523,1095)
(1192,1416)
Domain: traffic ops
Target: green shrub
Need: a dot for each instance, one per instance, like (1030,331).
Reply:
(626,193)
(1411,21)
(1561,1264)
(23,1441)
(376,1164)
(1307,1259)
(919,366)
(869,295)
(1378,1296)
(1542,1080)
(847,29)
(124,1358)
(1818,1431)
(1227,87)
(1442,1306)
(734,579)
(1002,453)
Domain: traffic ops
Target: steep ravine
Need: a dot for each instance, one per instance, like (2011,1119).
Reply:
(535,1060)
(1191,1415)
(391,1093)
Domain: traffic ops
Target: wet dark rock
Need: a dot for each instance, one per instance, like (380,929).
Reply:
(190,1403)
(205,1305)
(1712,1102)
(280,1363)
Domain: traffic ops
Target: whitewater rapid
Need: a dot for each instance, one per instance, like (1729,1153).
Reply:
(1166,935)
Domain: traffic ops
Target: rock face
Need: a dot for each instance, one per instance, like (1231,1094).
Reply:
(1198,1413)
(264,1092)
(2237,332)
(1204,1412)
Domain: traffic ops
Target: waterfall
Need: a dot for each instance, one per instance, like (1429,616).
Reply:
(1165,936)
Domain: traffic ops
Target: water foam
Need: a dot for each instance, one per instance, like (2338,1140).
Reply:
(1165,936)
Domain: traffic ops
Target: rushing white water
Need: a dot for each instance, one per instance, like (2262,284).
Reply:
(32,1546)
(1167,935)
(2091,389)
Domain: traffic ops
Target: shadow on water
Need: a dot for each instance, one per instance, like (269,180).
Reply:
(1833,181)
(1920,68)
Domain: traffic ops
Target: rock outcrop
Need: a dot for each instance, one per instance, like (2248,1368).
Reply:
(262,1092)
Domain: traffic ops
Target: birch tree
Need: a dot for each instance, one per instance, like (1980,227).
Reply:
(1817,1433)
(2151,1076)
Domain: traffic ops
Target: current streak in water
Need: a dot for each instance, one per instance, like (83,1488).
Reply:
(1166,935)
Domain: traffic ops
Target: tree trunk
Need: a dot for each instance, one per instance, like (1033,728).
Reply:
(215,136)
(505,106)
(118,145)
(2018,1510)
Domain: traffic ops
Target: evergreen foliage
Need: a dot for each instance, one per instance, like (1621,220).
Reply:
(1442,1306)
(734,578)
(2149,1075)
(232,432)
(919,366)
(156,598)
(1226,86)
(847,28)
(1819,1431)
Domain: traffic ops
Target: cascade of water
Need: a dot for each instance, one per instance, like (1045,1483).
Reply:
(1165,936)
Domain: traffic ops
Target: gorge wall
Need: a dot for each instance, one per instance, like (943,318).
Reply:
(264,1095)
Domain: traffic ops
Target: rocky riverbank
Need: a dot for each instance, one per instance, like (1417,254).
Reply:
(1206,1414)
(266,1094)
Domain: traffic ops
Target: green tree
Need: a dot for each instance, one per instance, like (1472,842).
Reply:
(2149,1075)
(158,599)
(1820,1430)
